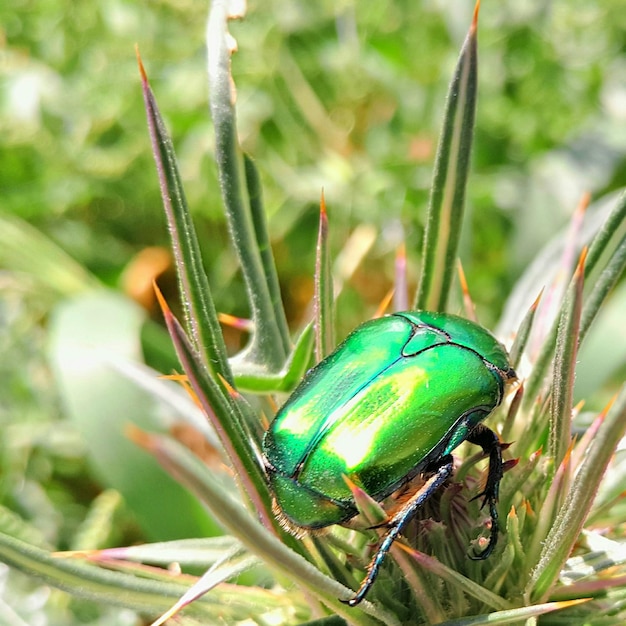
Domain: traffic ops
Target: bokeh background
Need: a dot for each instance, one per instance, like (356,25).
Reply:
(342,95)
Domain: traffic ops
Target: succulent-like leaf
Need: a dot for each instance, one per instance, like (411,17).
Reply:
(269,342)
(200,313)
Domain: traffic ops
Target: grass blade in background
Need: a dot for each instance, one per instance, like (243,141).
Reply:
(195,293)
(269,342)
(447,196)
(25,250)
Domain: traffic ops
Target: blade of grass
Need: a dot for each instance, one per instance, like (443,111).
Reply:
(445,208)
(195,293)
(267,342)
(28,251)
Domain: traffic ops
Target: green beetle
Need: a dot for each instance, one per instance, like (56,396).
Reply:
(391,402)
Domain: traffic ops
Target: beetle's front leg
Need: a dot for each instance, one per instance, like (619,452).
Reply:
(398,523)
(489,442)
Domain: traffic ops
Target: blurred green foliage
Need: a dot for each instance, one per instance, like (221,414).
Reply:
(341,95)
(346,96)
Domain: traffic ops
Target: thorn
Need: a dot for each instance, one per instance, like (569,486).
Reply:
(235,322)
(384,304)
(232,392)
(608,406)
(509,464)
(323,213)
(583,204)
(535,305)
(142,69)
(401,298)
(470,309)
(581,262)
(167,313)
(474,25)
(140,437)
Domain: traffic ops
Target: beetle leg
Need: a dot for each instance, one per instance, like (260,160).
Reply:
(489,442)
(398,523)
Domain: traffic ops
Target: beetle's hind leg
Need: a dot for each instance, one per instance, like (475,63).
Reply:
(489,442)
(398,522)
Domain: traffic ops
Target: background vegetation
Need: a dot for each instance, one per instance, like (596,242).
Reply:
(347,96)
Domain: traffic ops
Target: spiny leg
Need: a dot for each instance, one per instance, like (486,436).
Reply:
(489,442)
(398,522)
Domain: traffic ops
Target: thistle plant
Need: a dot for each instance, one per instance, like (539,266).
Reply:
(559,558)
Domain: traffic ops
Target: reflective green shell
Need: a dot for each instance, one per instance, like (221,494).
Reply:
(400,392)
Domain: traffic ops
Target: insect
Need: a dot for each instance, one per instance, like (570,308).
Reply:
(391,402)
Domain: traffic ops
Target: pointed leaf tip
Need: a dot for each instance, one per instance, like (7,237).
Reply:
(535,305)
(140,437)
(142,69)
(583,203)
(165,309)
(581,262)
(470,309)
(401,253)
(384,304)
(462,278)
(323,213)
(232,392)
(474,25)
